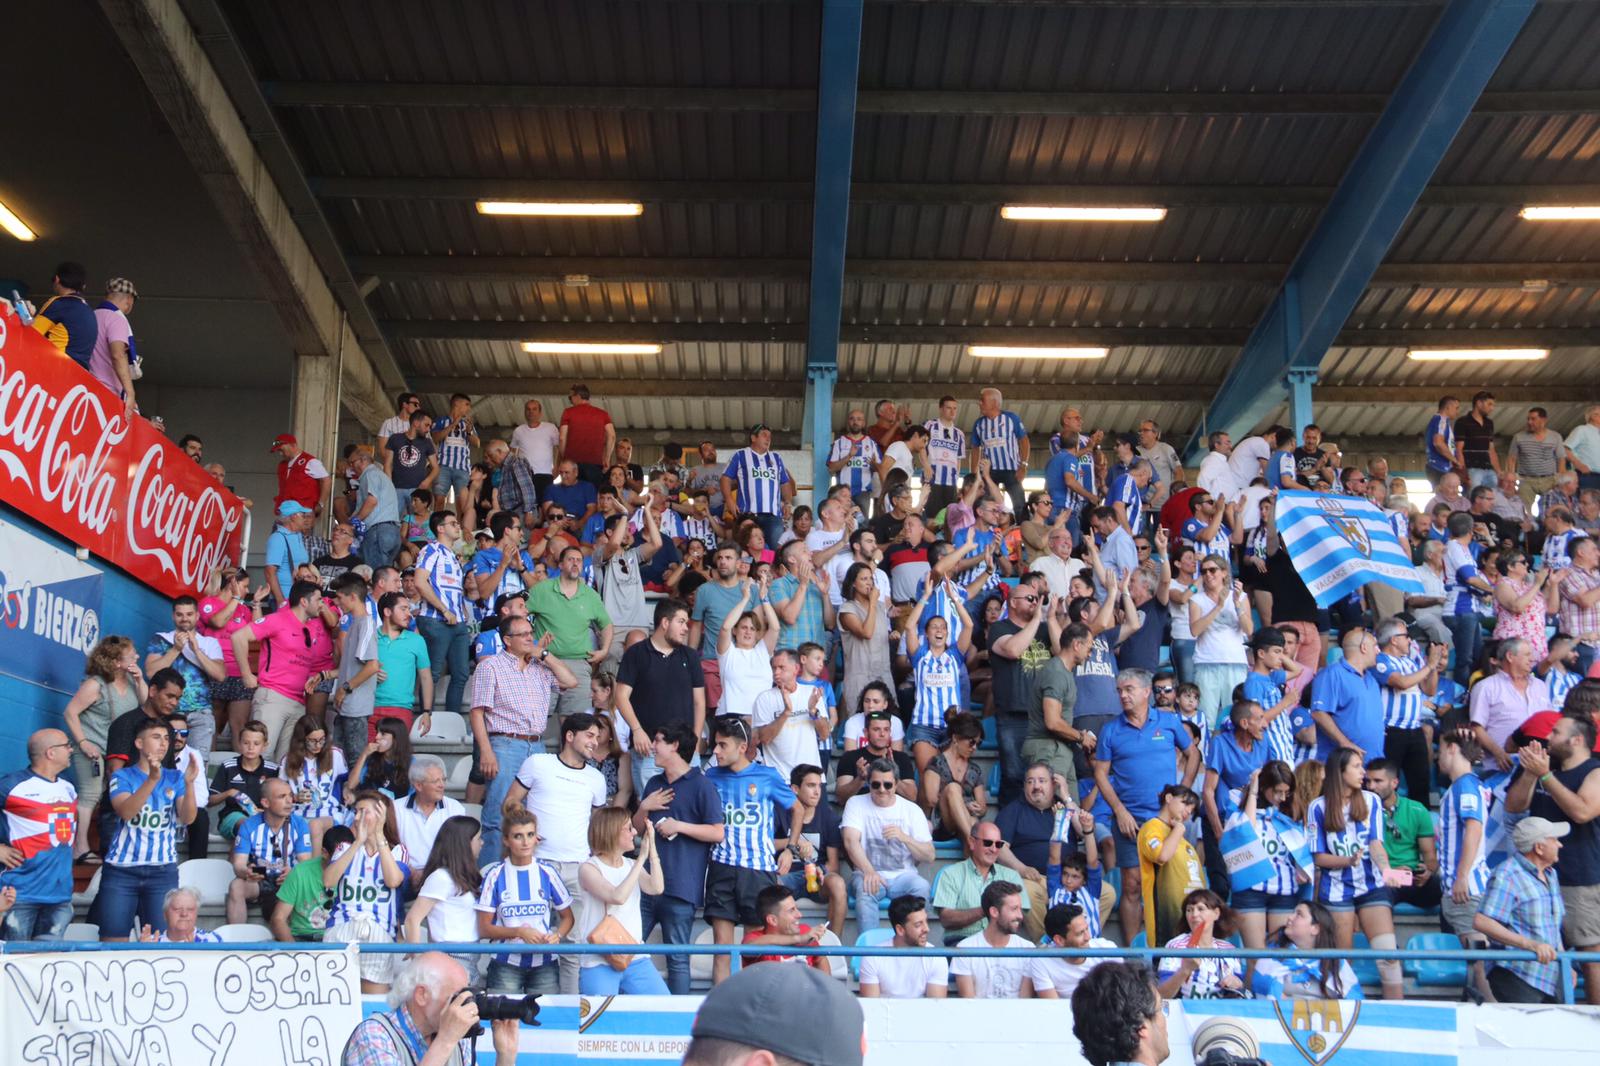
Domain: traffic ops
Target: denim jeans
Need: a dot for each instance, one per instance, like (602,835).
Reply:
(641,978)
(676,918)
(448,648)
(504,979)
(1481,476)
(1183,659)
(510,753)
(380,544)
(771,528)
(1467,635)
(898,883)
(1010,731)
(36,921)
(131,896)
(202,729)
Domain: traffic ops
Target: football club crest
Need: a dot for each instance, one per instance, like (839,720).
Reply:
(1348,526)
(61,827)
(1318,1028)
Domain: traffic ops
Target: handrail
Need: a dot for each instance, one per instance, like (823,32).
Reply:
(1565,958)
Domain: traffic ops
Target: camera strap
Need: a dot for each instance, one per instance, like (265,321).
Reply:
(410,1044)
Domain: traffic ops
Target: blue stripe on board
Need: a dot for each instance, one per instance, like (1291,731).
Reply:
(616,1022)
(1289,1055)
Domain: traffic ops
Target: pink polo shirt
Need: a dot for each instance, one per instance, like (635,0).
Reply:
(291,651)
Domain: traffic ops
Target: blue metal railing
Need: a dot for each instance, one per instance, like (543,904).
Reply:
(1567,959)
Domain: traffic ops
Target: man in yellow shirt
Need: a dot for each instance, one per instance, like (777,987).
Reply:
(1169,866)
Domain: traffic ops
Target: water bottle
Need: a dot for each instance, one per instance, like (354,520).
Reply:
(24,315)
(246,804)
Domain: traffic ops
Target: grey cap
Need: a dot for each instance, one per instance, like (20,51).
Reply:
(1530,831)
(743,1008)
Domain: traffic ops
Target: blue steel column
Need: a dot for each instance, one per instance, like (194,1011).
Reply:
(1300,381)
(838,68)
(1367,210)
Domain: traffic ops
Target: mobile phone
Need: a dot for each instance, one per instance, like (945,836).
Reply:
(1399,877)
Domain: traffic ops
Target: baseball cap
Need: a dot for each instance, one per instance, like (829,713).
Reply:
(1266,637)
(1537,726)
(1530,831)
(778,1007)
(120,286)
(280,440)
(291,507)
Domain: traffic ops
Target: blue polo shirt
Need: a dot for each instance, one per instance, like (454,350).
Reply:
(574,499)
(1355,702)
(1234,766)
(1143,761)
(684,860)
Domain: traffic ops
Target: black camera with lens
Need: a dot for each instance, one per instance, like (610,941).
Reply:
(524,1009)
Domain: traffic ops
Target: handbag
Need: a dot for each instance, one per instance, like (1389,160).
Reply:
(611,931)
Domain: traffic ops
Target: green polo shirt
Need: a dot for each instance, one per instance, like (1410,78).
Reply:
(1401,830)
(960,886)
(401,659)
(569,621)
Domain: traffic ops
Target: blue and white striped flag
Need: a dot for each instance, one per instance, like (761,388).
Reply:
(1339,543)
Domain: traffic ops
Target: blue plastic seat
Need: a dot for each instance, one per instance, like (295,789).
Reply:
(1413,911)
(948,849)
(991,735)
(994,781)
(1366,969)
(1139,940)
(1439,973)
(881,935)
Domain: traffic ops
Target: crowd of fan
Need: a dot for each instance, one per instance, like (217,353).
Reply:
(687,697)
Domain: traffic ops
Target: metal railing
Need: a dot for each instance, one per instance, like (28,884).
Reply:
(1567,959)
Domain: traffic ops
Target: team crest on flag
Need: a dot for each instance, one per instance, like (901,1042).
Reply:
(61,827)
(1348,527)
(1318,1028)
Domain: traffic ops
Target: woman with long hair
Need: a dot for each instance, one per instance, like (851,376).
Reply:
(938,674)
(384,764)
(611,755)
(365,880)
(1263,908)
(1309,928)
(609,884)
(1307,787)
(744,649)
(1210,924)
(1219,618)
(953,794)
(112,686)
(448,898)
(313,767)
(1346,829)
(864,624)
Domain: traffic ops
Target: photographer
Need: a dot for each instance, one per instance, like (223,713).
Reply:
(1117,1016)
(434,1012)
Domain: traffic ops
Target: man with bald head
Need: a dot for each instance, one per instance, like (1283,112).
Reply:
(1347,701)
(853,459)
(41,819)
(431,1013)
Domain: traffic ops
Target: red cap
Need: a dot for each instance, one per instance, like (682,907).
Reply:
(280,440)
(1538,725)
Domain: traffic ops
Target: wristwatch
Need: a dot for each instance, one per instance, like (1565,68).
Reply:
(543,655)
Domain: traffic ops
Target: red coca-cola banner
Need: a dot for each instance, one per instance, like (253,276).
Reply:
(69,459)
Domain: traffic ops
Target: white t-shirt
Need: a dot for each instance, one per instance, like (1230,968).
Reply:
(1223,640)
(855,731)
(820,540)
(904,978)
(870,820)
(796,742)
(746,674)
(1216,477)
(899,454)
(1063,975)
(592,911)
(562,799)
(454,917)
(1246,460)
(1058,573)
(839,566)
(1250,509)
(994,977)
(537,444)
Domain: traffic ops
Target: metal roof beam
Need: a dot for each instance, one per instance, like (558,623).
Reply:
(514,268)
(882,101)
(891,333)
(957,194)
(1377,192)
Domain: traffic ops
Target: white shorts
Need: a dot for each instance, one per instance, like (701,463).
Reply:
(375,967)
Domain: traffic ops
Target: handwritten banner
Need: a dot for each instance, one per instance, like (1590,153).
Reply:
(124,491)
(179,1009)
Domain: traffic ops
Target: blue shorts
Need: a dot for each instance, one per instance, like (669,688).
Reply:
(451,479)
(1127,850)
(1254,901)
(926,734)
(1382,896)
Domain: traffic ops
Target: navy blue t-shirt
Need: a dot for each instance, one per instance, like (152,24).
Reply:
(1028,830)
(1142,649)
(683,860)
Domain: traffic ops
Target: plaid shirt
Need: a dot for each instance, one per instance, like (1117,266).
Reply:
(1581,622)
(808,624)
(373,1043)
(515,698)
(1529,907)
(517,491)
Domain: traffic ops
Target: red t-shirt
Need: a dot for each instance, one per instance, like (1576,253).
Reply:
(1175,512)
(586,433)
(817,962)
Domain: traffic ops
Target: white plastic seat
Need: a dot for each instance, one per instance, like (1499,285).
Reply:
(457,780)
(474,810)
(442,725)
(838,965)
(244,933)
(86,931)
(210,876)
(86,897)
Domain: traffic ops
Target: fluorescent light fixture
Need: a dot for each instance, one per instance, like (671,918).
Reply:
(1011,351)
(1080,213)
(1508,355)
(574,348)
(561,208)
(14,225)
(1562,213)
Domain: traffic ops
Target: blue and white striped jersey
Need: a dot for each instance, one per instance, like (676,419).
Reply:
(524,897)
(1087,895)
(1125,490)
(1283,881)
(1402,707)
(759,479)
(1218,545)
(1343,886)
(749,799)
(984,538)
(692,528)
(941,686)
(999,437)
(861,458)
(947,446)
(150,838)
(1560,682)
(1460,566)
(361,892)
(1557,551)
(1200,722)
(1267,690)
(326,799)
(942,605)
(439,564)
(1466,800)
(274,850)
(201,936)
(455,451)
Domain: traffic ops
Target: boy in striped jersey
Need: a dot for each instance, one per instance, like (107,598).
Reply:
(519,898)
(947,446)
(141,865)
(1463,871)
(1407,675)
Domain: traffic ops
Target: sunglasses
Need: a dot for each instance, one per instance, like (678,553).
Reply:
(180,732)
(305,632)
(882,786)
(1166,688)
(1211,569)
(996,844)
(1028,599)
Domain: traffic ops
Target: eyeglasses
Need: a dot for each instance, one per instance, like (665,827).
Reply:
(882,786)
(316,742)
(519,633)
